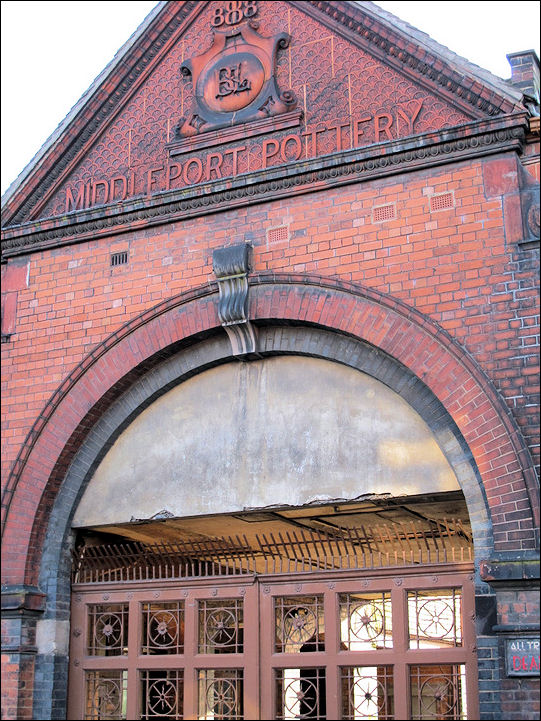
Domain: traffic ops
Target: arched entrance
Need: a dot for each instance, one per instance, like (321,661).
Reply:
(180,338)
(276,539)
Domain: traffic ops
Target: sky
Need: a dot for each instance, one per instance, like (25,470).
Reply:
(52,52)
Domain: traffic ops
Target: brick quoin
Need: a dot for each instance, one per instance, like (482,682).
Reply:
(379,320)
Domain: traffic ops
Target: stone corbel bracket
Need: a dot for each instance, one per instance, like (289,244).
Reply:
(231,266)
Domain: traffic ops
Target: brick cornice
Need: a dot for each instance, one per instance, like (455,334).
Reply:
(476,139)
(21,600)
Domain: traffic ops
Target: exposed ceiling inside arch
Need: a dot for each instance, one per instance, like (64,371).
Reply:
(374,531)
(419,512)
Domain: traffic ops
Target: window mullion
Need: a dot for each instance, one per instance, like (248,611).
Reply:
(134,641)
(400,648)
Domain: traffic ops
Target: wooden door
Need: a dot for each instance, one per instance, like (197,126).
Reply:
(359,648)
(329,645)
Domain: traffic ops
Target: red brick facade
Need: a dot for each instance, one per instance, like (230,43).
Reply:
(424,249)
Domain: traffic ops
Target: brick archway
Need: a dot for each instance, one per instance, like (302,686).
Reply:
(412,340)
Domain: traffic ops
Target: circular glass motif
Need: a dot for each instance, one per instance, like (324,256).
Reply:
(303,692)
(162,628)
(435,619)
(232,82)
(106,699)
(221,627)
(108,630)
(222,697)
(368,697)
(162,697)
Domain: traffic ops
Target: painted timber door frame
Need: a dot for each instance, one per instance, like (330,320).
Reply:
(398,643)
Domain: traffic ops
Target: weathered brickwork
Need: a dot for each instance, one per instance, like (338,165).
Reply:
(433,263)
(75,298)
(18,644)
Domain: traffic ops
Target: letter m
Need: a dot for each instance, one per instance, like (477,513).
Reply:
(74,204)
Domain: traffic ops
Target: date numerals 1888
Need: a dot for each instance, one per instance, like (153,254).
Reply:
(233,13)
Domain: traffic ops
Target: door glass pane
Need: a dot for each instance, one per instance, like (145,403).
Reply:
(299,624)
(162,694)
(221,694)
(438,692)
(435,618)
(367,692)
(365,621)
(300,693)
(221,626)
(163,628)
(108,629)
(106,694)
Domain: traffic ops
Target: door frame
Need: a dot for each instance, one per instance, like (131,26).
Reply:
(258,659)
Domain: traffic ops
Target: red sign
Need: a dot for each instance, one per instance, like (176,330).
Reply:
(522,656)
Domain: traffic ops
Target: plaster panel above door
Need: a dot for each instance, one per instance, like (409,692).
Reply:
(281,431)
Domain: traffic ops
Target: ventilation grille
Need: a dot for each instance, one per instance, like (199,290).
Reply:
(276,235)
(442,201)
(384,212)
(119,258)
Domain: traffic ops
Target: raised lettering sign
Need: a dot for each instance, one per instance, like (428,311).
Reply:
(333,136)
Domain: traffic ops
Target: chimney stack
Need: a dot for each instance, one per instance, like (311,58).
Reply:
(525,72)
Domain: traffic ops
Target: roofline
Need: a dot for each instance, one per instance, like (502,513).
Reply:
(457,62)
(80,104)
(394,24)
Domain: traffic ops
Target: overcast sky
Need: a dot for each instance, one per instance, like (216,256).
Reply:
(52,51)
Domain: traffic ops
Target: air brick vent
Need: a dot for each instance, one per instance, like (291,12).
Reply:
(384,212)
(276,235)
(119,258)
(442,201)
